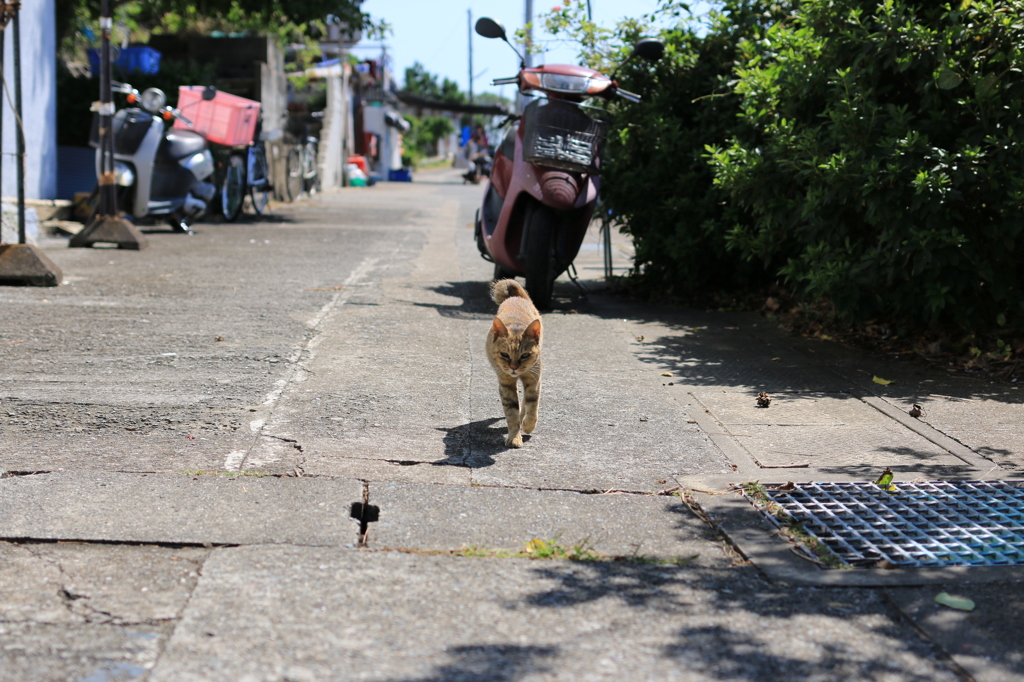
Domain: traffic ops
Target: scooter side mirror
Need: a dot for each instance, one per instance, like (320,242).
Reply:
(490,28)
(209,92)
(650,49)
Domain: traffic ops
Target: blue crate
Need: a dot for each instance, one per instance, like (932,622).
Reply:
(131,59)
(400,175)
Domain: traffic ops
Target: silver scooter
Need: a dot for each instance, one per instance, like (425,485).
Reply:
(163,173)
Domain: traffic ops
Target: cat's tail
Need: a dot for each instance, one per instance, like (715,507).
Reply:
(504,288)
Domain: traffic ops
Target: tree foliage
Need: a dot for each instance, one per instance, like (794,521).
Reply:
(136,20)
(656,180)
(419,81)
(883,167)
(864,152)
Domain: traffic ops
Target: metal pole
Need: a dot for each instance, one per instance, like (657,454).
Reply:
(19,131)
(590,14)
(469,14)
(528,23)
(7,12)
(106,226)
(3,34)
(108,191)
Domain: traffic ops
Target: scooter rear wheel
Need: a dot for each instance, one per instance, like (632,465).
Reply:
(232,190)
(541,257)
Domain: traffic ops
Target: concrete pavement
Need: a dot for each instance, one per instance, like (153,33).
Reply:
(273,451)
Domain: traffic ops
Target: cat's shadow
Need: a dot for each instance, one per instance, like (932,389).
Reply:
(475,444)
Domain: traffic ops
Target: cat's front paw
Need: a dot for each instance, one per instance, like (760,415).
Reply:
(514,441)
(529,424)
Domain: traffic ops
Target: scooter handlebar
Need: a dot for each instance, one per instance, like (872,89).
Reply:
(170,112)
(627,95)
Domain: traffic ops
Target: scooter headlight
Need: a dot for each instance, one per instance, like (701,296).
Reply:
(573,85)
(153,100)
(123,174)
(557,82)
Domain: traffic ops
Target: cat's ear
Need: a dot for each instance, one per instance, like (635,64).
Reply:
(498,328)
(533,330)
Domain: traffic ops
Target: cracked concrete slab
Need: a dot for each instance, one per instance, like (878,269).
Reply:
(71,611)
(49,652)
(328,614)
(993,428)
(168,508)
(78,583)
(838,446)
(431,517)
(984,641)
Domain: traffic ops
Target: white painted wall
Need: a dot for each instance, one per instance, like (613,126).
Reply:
(39,102)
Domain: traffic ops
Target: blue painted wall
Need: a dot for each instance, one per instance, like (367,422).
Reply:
(39,102)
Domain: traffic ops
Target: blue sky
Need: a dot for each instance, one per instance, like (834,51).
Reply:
(435,33)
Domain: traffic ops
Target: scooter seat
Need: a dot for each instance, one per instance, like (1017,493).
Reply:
(180,144)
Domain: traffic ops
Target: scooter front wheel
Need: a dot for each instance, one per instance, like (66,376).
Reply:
(541,269)
(232,191)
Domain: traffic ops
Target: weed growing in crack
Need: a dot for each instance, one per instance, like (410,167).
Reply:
(247,472)
(554,550)
(810,547)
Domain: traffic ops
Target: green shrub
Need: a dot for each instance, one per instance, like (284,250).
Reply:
(656,178)
(423,135)
(656,181)
(879,158)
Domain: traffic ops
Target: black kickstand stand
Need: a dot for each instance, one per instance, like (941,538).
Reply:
(574,278)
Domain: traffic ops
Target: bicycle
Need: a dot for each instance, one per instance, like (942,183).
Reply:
(246,175)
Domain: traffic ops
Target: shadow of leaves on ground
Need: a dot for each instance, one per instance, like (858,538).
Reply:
(738,626)
(491,663)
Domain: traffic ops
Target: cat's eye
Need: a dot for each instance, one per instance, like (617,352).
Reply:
(505,355)
(524,356)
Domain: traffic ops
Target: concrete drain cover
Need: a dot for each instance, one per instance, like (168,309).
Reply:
(967,523)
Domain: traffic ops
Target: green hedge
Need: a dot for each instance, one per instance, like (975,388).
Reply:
(879,160)
(656,179)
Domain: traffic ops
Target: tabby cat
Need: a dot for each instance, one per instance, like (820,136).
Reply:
(513,349)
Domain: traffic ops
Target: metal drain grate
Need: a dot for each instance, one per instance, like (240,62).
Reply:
(968,523)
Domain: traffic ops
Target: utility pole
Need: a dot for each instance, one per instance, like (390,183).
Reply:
(107,226)
(522,99)
(21,263)
(469,14)
(528,23)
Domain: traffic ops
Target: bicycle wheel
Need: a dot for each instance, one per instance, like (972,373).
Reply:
(232,190)
(295,179)
(259,177)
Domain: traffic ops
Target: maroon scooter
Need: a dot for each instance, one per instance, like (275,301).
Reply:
(545,176)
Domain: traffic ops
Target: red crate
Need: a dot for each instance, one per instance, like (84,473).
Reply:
(226,119)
